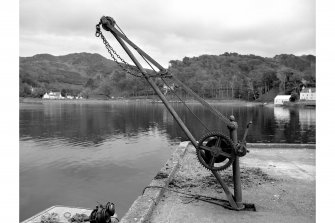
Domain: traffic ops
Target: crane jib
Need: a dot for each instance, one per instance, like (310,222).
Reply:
(214,150)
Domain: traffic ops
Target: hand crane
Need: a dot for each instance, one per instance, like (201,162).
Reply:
(215,151)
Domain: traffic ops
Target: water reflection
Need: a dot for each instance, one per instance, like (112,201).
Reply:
(282,114)
(301,119)
(307,118)
(80,153)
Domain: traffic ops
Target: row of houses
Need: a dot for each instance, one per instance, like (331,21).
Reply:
(58,95)
(306,94)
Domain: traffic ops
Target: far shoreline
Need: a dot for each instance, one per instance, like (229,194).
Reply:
(158,101)
(143,100)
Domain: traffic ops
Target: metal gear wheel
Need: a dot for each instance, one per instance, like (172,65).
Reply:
(216,151)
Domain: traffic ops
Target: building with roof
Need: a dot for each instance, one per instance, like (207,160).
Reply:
(280,99)
(53,95)
(308,94)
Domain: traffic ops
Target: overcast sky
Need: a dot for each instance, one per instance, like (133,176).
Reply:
(170,29)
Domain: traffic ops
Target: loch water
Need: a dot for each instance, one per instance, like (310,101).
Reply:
(81,153)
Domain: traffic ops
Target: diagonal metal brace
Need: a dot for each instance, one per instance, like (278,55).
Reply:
(226,190)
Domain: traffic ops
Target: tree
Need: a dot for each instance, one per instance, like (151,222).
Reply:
(63,92)
(25,90)
(38,92)
(294,97)
(86,93)
(90,83)
(251,88)
(269,79)
(105,89)
(294,83)
(232,84)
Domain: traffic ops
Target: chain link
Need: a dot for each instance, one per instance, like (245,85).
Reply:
(134,71)
(125,66)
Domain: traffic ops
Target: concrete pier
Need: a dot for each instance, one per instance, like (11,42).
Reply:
(278,179)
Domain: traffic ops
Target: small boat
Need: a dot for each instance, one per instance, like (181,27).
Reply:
(66,214)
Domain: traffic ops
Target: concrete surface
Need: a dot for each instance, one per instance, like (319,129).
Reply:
(280,182)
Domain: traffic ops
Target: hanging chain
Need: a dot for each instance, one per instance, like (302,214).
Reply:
(125,66)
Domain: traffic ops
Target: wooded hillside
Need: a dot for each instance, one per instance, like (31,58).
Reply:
(229,75)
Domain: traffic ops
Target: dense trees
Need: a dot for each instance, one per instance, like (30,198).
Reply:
(244,76)
(228,75)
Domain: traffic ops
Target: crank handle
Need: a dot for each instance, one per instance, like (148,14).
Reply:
(246,132)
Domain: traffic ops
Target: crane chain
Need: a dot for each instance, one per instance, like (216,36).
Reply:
(125,66)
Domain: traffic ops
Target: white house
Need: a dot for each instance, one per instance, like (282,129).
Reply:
(308,94)
(53,95)
(280,99)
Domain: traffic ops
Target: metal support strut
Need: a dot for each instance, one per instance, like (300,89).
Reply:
(236,165)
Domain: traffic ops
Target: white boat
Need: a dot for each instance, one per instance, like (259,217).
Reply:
(62,214)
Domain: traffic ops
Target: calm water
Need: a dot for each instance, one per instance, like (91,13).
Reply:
(78,153)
